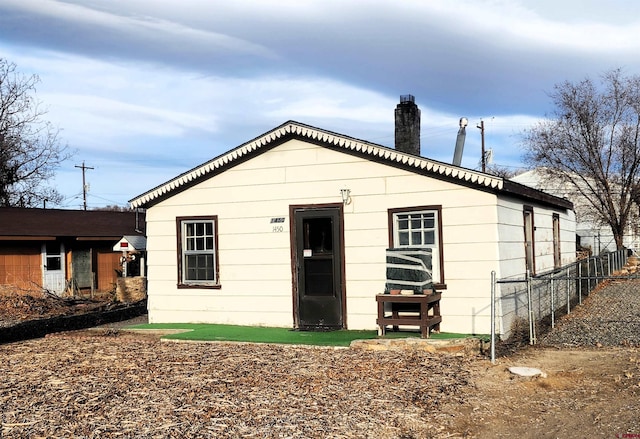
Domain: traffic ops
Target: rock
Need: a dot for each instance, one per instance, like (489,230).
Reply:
(527,371)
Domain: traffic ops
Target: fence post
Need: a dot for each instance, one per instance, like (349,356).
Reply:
(567,272)
(568,301)
(493,317)
(553,303)
(580,282)
(618,260)
(532,336)
(621,254)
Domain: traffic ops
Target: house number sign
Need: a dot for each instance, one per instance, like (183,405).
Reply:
(277,225)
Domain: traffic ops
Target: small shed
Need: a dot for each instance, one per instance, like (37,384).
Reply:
(58,250)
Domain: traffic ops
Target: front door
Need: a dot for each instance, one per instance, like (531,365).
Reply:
(318,267)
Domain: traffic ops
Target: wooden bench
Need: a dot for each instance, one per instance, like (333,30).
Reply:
(422,310)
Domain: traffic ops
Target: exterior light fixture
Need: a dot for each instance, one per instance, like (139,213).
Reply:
(346,196)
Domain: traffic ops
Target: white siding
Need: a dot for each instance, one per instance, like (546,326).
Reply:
(512,256)
(255,262)
(511,236)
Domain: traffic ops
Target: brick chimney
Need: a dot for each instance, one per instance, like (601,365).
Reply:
(408,125)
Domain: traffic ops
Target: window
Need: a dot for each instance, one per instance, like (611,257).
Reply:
(529,253)
(419,228)
(54,257)
(416,229)
(557,255)
(198,248)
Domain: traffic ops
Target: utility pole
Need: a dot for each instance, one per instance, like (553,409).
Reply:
(483,158)
(84,184)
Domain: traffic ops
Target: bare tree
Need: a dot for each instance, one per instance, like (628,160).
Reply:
(500,171)
(30,151)
(592,143)
(114,208)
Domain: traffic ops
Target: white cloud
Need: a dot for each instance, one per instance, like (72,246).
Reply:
(509,23)
(169,84)
(99,99)
(138,27)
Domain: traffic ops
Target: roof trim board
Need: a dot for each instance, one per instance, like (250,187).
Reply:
(379,153)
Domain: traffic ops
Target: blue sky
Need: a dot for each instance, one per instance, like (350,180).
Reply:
(143,90)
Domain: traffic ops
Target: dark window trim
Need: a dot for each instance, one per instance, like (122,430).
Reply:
(179,221)
(529,209)
(557,244)
(438,208)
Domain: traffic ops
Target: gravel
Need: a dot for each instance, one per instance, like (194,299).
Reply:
(610,316)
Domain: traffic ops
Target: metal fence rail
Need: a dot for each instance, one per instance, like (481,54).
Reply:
(528,304)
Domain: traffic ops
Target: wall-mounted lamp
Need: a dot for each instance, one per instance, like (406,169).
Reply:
(346,196)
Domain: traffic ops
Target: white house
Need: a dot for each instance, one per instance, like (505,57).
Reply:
(291,229)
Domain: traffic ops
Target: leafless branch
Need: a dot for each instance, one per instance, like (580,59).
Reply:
(592,142)
(30,150)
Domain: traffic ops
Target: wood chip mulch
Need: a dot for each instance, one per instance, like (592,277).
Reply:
(110,384)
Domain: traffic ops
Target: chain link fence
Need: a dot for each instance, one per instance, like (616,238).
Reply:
(530,304)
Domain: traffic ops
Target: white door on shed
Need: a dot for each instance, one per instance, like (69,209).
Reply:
(53,267)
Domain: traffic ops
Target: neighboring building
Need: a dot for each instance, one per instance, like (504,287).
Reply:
(57,250)
(591,234)
(291,229)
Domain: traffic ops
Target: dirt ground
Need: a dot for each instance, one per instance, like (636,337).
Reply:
(587,393)
(110,383)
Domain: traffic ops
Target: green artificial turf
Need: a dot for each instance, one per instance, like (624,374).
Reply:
(259,334)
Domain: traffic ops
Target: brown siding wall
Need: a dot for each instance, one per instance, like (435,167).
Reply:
(21,267)
(108,267)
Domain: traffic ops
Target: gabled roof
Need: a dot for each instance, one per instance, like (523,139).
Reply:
(57,223)
(295,130)
(131,243)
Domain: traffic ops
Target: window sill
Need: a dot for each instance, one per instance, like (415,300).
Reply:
(199,286)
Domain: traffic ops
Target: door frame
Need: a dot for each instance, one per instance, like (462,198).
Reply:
(293,208)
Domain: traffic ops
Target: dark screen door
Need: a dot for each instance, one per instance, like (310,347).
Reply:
(318,264)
